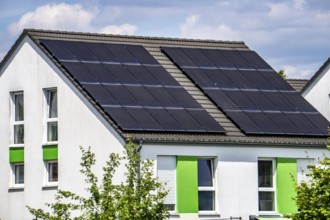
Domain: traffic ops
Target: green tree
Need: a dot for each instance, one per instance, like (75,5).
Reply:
(282,74)
(140,196)
(313,195)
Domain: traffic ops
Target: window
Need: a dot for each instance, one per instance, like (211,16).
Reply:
(52,171)
(51,116)
(266,183)
(206,186)
(18,174)
(18,117)
(166,166)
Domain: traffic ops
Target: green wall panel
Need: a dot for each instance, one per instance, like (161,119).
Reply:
(187,184)
(16,154)
(49,152)
(285,169)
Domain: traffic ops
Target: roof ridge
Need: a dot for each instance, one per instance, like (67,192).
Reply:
(28,31)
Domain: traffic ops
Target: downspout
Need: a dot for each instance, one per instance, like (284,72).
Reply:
(139,167)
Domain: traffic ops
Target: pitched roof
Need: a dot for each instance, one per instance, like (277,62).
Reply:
(316,75)
(153,45)
(297,84)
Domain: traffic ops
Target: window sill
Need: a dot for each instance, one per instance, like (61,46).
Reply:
(50,187)
(16,189)
(50,143)
(208,215)
(16,145)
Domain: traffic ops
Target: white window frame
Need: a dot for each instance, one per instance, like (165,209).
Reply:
(209,188)
(268,189)
(46,115)
(13,120)
(13,175)
(47,173)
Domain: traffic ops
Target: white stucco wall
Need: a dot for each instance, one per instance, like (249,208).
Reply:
(79,123)
(237,171)
(318,93)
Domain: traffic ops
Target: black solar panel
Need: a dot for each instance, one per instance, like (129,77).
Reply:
(132,87)
(249,91)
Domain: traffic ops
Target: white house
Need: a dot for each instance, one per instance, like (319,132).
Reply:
(225,131)
(317,90)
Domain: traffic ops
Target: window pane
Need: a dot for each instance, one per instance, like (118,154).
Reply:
(52,104)
(53,172)
(266,201)
(52,131)
(19,174)
(18,134)
(19,107)
(170,207)
(205,200)
(205,174)
(265,173)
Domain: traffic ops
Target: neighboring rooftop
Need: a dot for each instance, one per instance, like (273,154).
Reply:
(316,75)
(297,84)
(153,45)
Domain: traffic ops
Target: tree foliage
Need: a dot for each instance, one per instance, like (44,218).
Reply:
(140,196)
(282,74)
(313,195)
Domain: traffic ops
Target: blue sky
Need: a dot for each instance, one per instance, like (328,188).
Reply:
(292,35)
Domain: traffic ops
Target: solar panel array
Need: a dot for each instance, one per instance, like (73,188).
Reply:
(249,91)
(132,87)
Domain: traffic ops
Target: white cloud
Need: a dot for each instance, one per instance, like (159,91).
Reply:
(125,29)
(193,27)
(55,16)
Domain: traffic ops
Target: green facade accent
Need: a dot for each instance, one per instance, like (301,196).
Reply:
(49,152)
(16,154)
(187,184)
(286,168)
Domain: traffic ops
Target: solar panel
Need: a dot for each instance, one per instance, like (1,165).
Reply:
(166,119)
(79,71)
(123,118)
(132,87)
(101,94)
(249,91)
(143,117)
(142,75)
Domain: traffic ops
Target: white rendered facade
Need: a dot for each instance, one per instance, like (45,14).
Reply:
(318,91)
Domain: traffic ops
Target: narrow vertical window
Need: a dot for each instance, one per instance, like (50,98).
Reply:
(52,170)
(206,186)
(266,182)
(18,117)
(18,174)
(51,116)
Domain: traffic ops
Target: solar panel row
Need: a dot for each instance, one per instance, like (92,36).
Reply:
(132,87)
(253,95)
